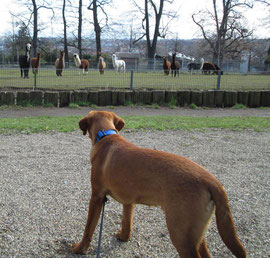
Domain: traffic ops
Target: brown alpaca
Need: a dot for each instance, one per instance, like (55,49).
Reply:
(166,65)
(60,63)
(81,64)
(35,62)
(175,66)
(101,65)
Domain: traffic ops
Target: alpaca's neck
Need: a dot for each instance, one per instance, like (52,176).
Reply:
(78,61)
(114,60)
(61,61)
(201,63)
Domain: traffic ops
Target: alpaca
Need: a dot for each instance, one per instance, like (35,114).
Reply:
(166,66)
(24,61)
(196,66)
(175,66)
(119,65)
(36,63)
(60,63)
(81,64)
(208,67)
(101,65)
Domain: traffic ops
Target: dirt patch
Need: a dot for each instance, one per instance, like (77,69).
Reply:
(140,110)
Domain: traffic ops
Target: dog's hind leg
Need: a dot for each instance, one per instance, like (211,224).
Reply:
(181,237)
(94,211)
(203,250)
(187,223)
(124,233)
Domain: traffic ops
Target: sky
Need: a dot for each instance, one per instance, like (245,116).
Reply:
(183,27)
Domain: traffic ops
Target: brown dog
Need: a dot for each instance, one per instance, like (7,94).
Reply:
(186,192)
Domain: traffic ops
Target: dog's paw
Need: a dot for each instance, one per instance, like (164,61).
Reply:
(122,236)
(78,249)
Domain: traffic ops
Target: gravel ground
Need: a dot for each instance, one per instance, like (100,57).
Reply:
(45,187)
(45,190)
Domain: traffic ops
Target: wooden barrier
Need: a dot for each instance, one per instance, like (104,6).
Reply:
(211,98)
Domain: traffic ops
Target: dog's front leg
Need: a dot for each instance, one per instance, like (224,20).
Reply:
(94,210)
(124,233)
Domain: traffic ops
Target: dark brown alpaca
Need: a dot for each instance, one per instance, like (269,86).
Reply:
(166,65)
(207,68)
(35,62)
(24,61)
(60,63)
(175,66)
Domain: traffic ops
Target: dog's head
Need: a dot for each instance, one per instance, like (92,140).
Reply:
(100,120)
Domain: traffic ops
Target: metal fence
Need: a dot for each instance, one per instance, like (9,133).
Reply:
(46,78)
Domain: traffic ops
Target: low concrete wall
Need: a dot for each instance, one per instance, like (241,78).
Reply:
(51,97)
(7,98)
(211,98)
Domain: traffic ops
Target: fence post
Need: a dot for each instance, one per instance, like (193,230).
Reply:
(131,79)
(218,80)
(35,79)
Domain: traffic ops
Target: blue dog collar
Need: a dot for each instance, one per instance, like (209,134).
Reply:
(102,134)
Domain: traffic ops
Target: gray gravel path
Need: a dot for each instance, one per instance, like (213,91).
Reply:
(45,190)
(131,111)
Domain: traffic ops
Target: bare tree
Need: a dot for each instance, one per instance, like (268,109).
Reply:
(30,18)
(99,22)
(153,26)
(73,13)
(222,27)
(16,41)
(266,2)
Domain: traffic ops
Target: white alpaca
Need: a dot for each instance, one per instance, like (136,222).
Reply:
(119,65)
(81,64)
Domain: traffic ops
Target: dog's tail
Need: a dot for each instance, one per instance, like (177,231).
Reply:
(225,222)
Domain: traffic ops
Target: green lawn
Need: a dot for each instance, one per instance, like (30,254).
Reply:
(151,79)
(70,123)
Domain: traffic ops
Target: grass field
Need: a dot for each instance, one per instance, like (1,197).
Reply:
(47,79)
(70,123)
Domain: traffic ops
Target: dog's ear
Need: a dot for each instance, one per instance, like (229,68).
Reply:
(84,124)
(119,123)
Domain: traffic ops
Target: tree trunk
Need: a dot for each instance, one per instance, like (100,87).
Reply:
(35,32)
(80,30)
(151,46)
(97,29)
(65,33)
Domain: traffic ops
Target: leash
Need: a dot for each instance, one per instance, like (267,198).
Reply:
(100,227)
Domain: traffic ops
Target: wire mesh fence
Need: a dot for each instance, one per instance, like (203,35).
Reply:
(71,79)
